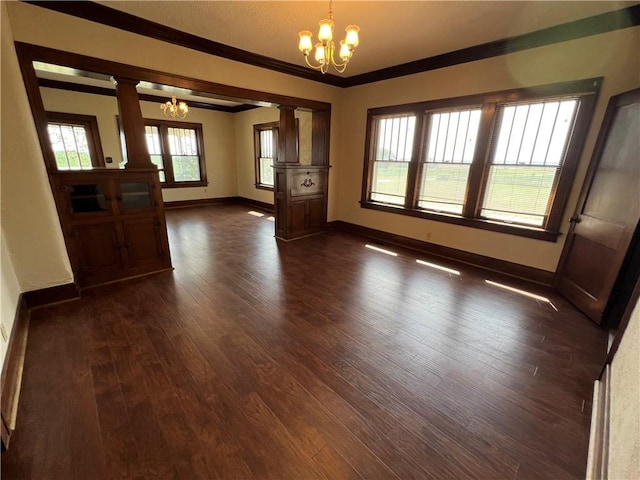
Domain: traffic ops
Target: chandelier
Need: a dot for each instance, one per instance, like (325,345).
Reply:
(325,48)
(174,109)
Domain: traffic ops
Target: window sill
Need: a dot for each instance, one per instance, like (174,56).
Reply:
(520,230)
(264,187)
(184,184)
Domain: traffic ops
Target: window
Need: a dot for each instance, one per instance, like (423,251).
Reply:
(265,140)
(75,141)
(502,161)
(176,149)
(392,154)
(526,161)
(450,146)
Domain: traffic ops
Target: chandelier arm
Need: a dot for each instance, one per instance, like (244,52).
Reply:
(315,67)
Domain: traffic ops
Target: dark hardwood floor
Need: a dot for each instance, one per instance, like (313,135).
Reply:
(317,358)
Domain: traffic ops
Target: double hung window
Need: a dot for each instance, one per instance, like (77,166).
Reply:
(266,152)
(502,161)
(75,141)
(176,149)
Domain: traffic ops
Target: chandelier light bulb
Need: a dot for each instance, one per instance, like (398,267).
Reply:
(305,44)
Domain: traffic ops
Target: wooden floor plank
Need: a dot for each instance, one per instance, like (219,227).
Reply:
(317,358)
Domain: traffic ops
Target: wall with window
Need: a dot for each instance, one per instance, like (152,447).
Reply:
(612,55)
(245,154)
(217,129)
(32,234)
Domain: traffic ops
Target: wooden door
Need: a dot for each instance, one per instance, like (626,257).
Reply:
(608,211)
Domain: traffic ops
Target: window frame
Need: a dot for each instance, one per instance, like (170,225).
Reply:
(163,127)
(257,128)
(90,125)
(585,90)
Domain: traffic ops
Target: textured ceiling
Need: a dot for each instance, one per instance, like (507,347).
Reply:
(391,32)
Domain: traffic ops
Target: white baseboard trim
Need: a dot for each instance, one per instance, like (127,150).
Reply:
(598,459)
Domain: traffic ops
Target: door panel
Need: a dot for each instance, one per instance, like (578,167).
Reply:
(142,245)
(98,249)
(608,212)
(297,215)
(317,212)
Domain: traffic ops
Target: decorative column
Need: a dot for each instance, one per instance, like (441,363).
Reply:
(132,123)
(300,191)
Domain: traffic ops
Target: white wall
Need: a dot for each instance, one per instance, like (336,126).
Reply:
(9,295)
(33,253)
(613,55)
(245,156)
(624,433)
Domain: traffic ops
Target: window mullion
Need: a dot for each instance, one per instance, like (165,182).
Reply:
(422,130)
(413,171)
(166,153)
(478,169)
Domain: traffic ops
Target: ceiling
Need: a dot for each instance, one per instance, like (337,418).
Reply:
(392,32)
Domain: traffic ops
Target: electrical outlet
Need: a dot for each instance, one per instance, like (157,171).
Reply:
(427,236)
(205,190)
(3,331)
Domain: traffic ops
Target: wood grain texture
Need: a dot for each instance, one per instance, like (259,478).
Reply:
(317,358)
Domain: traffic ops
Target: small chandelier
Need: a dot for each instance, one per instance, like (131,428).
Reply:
(325,48)
(174,109)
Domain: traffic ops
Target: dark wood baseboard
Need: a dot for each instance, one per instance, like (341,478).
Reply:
(45,296)
(511,269)
(220,201)
(199,202)
(12,369)
(267,207)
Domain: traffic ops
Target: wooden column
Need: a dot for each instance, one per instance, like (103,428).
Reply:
(132,123)
(300,191)
(320,121)
(287,135)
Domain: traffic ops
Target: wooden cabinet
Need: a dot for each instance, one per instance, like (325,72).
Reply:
(113,222)
(300,199)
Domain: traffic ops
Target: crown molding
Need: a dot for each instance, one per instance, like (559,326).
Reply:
(586,27)
(597,24)
(104,15)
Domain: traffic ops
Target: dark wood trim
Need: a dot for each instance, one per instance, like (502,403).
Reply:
(167,162)
(12,368)
(582,87)
(124,21)
(91,64)
(89,122)
(594,25)
(586,27)
(587,90)
(199,202)
(482,224)
(257,128)
(267,207)
(92,89)
(504,267)
(46,296)
(131,123)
